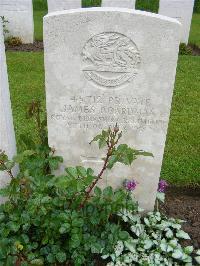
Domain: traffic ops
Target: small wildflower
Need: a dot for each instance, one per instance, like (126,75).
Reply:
(162,186)
(130,185)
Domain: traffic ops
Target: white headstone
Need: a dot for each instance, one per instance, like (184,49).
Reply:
(103,66)
(7,135)
(59,5)
(19,14)
(181,10)
(119,3)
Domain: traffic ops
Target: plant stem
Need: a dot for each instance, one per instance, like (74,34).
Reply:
(111,141)
(7,170)
(109,153)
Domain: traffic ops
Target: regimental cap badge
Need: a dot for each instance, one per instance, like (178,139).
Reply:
(110,59)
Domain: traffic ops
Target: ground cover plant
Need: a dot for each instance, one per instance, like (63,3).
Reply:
(50,219)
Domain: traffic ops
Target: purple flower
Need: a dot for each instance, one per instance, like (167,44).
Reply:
(130,185)
(162,185)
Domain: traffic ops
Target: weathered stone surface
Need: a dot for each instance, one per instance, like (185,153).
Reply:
(19,14)
(7,135)
(181,10)
(119,3)
(103,66)
(59,5)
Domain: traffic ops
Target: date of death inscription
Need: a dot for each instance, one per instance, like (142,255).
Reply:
(100,112)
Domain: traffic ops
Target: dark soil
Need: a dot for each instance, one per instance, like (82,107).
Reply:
(37,46)
(195,49)
(184,203)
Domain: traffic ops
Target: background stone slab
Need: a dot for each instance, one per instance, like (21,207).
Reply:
(7,135)
(119,3)
(19,14)
(181,10)
(59,5)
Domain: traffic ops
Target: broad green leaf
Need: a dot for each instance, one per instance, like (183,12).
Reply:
(197,259)
(198,252)
(143,153)
(97,191)
(108,192)
(22,156)
(123,235)
(182,234)
(72,171)
(61,257)
(37,262)
(160,196)
(188,249)
(9,165)
(102,143)
(177,254)
(50,258)
(81,171)
(148,244)
(169,233)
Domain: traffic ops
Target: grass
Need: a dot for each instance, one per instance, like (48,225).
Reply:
(38,25)
(26,79)
(195,30)
(181,161)
(147,5)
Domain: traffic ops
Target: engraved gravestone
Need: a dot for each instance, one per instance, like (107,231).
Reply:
(59,5)
(7,135)
(181,10)
(19,14)
(119,3)
(103,66)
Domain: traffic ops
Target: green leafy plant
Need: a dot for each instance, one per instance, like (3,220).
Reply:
(154,239)
(53,219)
(14,41)
(66,219)
(184,49)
